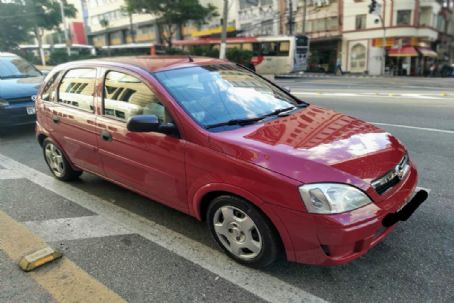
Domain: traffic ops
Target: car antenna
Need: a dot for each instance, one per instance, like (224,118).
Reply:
(190,58)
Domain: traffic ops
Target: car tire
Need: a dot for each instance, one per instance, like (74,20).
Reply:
(243,232)
(57,162)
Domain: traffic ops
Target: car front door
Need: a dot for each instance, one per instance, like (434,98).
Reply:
(72,118)
(151,163)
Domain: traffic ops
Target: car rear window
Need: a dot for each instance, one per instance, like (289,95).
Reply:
(77,89)
(49,93)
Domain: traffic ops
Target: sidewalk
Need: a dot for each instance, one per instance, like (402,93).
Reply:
(324,75)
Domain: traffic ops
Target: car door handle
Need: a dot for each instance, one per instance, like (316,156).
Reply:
(106,136)
(56,119)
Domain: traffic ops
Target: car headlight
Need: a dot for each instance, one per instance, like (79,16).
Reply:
(332,198)
(3,102)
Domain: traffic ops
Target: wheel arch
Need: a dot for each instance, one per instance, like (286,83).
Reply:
(203,197)
(44,137)
(41,138)
(206,194)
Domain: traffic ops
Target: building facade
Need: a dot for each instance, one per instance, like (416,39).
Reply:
(260,17)
(109,23)
(414,33)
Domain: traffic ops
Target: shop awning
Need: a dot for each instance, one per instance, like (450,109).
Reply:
(405,51)
(427,52)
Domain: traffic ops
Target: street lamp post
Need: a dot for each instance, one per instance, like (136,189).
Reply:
(375,8)
(63,19)
(384,44)
(225,15)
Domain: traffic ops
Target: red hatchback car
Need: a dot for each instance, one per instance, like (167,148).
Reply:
(267,171)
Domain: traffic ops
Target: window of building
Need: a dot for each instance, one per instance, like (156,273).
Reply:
(361,21)
(404,17)
(77,89)
(332,23)
(126,96)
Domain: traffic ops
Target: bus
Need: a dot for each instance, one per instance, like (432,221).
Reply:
(76,49)
(272,55)
(132,49)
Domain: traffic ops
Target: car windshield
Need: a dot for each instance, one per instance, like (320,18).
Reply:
(16,67)
(225,96)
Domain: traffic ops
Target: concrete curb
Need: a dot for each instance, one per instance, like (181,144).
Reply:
(309,75)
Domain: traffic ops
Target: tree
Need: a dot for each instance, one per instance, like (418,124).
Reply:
(13,30)
(44,15)
(172,15)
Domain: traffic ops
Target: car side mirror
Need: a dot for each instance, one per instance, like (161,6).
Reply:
(287,89)
(144,123)
(150,123)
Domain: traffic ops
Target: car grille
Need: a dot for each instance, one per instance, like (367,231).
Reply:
(19,100)
(392,177)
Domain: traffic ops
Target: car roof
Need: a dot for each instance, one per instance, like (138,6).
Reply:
(152,63)
(5,54)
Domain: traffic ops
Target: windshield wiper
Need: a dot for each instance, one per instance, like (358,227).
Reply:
(279,112)
(245,121)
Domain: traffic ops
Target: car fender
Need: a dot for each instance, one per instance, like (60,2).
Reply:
(41,131)
(264,207)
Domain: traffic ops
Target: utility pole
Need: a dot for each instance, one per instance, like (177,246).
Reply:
(374,9)
(304,16)
(290,17)
(225,16)
(63,20)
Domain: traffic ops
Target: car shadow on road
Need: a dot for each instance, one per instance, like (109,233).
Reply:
(16,132)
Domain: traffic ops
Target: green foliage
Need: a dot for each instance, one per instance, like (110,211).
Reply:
(12,30)
(29,56)
(46,14)
(58,56)
(240,56)
(19,17)
(173,14)
(175,51)
(205,51)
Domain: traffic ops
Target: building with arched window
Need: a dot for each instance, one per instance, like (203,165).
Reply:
(415,34)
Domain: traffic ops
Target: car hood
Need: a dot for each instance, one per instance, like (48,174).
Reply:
(18,88)
(315,145)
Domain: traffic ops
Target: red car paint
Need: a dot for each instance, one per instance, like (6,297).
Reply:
(262,163)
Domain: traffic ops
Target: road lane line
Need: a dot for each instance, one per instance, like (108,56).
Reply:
(63,280)
(372,95)
(6,174)
(445,131)
(75,228)
(256,282)
(428,190)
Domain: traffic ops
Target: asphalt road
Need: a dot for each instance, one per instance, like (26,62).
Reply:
(146,252)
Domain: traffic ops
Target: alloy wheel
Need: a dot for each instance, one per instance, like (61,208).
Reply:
(237,232)
(55,160)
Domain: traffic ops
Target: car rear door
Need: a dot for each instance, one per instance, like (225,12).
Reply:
(72,118)
(150,163)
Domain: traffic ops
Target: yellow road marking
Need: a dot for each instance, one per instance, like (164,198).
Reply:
(63,279)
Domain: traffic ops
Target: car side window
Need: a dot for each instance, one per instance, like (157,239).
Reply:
(77,89)
(126,96)
(49,91)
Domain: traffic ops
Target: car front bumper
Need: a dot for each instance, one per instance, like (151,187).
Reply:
(341,238)
(16,114)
